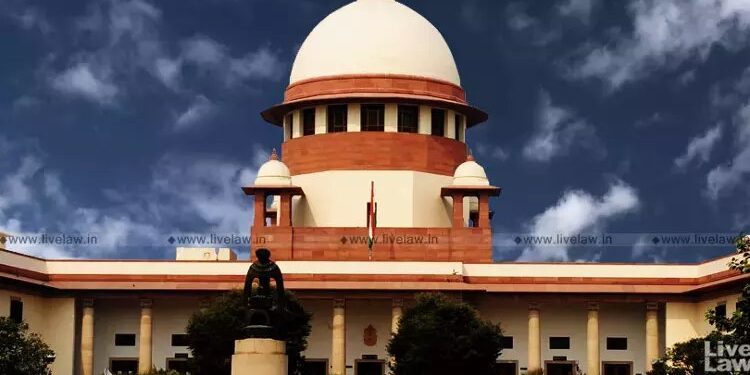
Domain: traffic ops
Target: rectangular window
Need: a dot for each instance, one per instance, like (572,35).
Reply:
(16,310)
(506,368)
(438,122)
(124,339)
(372,118)
(617,343)
(179,339)
(337,118)
(177,364)
(123,366)
(559,342)
(507,342)
(459,126)
(315,367)
(721,309)
(290,124)
(308,121)
(408,119)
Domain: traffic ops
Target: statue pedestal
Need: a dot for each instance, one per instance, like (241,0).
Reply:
(259,356)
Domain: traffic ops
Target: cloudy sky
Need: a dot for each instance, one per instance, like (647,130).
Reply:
(137,119)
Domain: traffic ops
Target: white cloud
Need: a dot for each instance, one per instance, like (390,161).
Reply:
(557,131)
(215,58)
(16,187)
(204,51)
(492,151)
(518,19)
(198,111)
(185,194)
(666,33)
(699,148)
(53,189)
(81,81)
(580,9)
(724,178)
(576,212)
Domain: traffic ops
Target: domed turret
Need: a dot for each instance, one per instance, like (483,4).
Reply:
(273,172)
(470,173)
(375,37)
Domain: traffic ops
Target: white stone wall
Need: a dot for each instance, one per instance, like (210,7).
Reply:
(53,319)
(339,199)
(170,316)
(113,316)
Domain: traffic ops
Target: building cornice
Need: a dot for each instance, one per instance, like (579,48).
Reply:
(135,275)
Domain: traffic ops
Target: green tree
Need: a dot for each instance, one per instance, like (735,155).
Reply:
(440,336)
(212,331)
(737,326)
(688,358)
(22,352)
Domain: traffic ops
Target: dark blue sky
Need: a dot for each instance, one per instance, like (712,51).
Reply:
(134,120)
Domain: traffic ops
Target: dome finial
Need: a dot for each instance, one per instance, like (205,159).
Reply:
(469,156)
(274,156)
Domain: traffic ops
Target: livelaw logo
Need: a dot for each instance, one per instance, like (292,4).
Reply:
(727,358)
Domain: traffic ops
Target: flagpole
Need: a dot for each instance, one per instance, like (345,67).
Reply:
(371,221)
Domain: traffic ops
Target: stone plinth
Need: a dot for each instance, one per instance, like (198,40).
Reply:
(259,356)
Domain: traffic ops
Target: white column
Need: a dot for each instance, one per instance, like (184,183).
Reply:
(396,311)
(338,339)
(535,340)
(87,337)
(353,118)
(144,344)
(652,334)
(592,339)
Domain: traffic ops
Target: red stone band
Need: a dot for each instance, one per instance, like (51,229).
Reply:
(374,84)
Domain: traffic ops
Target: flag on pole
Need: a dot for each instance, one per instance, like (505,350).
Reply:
(371,220)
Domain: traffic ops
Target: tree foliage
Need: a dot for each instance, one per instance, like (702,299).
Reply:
(688,358)
(440,336)
(22,352)
(212,331)
(737,326)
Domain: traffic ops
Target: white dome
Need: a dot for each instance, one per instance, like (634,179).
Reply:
(470,173)
(273,172)
(375,37)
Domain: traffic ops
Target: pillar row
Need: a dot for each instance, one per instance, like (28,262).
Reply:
(592,339)
(338,339)
(144,344)
(535,341)
(652,334)
(87,337)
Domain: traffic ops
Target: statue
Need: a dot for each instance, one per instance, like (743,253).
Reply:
(267,315)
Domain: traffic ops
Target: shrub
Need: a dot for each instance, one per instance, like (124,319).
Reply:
(440,336)
(212,331)
(22,352)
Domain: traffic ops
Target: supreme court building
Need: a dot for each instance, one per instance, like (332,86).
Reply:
(374,96)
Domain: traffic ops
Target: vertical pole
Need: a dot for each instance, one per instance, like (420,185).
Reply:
(338,339)
(652,334)
(535,349)
(87,337)
(592,339)
(144,344)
